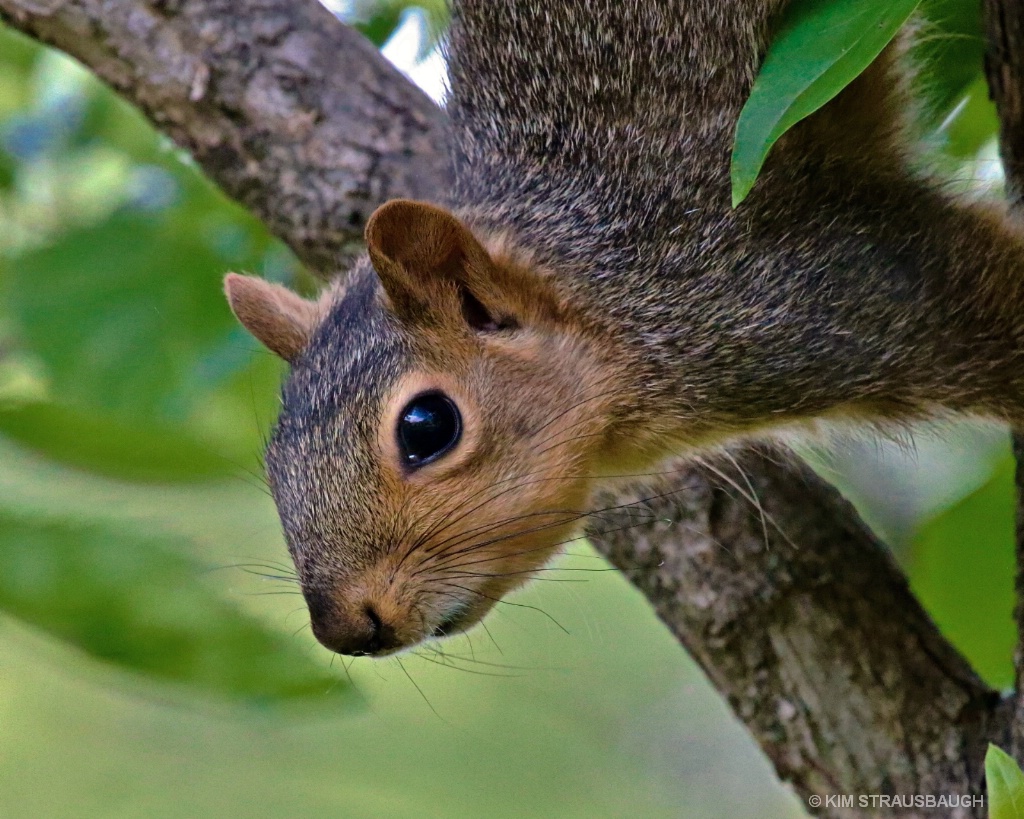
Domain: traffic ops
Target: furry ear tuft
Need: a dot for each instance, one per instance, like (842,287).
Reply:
(280,319)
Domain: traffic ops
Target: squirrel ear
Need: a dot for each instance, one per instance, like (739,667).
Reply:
(419,250)
(277,317)
(416,235)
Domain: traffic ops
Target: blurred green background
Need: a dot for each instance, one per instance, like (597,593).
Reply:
(156,659)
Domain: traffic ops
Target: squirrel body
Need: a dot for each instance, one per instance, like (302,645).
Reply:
(588,303)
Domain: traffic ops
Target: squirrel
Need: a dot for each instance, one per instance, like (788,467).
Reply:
(586,303)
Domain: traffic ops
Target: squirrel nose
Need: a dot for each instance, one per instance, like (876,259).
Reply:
(363,632)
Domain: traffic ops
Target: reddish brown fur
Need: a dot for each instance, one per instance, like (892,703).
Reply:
(595,304)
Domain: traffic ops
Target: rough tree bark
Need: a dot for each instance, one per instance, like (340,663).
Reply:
(292,114)
(1004,68)
(803,621)
(797,613)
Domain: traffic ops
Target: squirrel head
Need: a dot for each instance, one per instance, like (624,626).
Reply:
(440,428)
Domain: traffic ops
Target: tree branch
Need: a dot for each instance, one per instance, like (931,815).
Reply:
(793,608)
(292,114)
(801,618)
(1004,69)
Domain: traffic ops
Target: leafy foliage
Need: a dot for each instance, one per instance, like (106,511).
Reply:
(950,53)
(821,46)
(107,446)
(379,19)
(120,358)
(1005,785)
(139,302)
(963,569)
(140,603)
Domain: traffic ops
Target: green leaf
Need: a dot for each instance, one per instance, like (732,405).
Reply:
(379,28)
(141,605)
(121,314)
(949,80)
(962,570)
(378,19)
(21,381)
(1005,785)
(973,126)
(821,46)
(949,55)
(17,51)
(112,448)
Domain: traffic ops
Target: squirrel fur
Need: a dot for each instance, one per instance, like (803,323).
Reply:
(592,304)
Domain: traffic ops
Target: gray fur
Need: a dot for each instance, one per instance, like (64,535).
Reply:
(598,133)
(602,132)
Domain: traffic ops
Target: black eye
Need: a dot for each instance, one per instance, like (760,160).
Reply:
(430,426)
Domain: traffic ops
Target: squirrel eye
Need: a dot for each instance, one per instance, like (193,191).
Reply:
(430,425)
